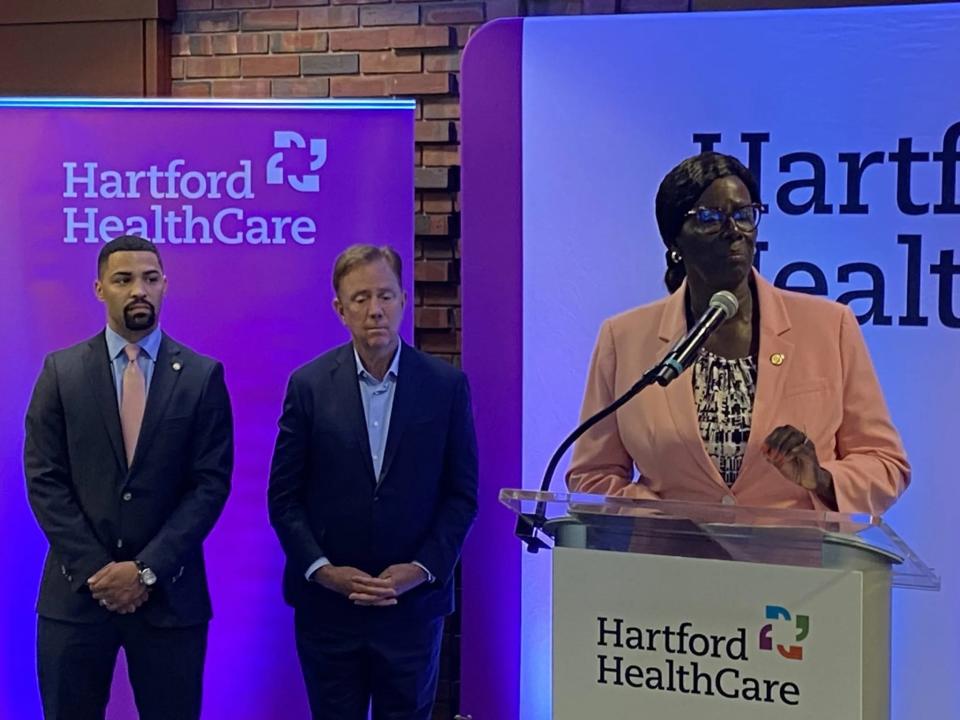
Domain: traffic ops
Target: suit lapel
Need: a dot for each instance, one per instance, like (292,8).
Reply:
(350,405)
(679,393)
(164,380)
(96,361)
(772,371)
(404,398)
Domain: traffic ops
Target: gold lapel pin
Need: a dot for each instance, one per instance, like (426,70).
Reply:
(777,359)
(176,366)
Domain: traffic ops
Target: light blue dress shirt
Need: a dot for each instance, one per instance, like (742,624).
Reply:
(149,347)
(377,397)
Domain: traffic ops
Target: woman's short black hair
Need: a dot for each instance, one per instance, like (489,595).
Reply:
(678,194)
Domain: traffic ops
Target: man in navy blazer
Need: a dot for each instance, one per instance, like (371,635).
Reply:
(128,456)
(373,488)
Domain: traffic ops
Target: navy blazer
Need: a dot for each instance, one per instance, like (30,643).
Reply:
(325,501)
(94,509)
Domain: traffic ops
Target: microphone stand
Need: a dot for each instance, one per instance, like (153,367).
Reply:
(530,525)
(723,305)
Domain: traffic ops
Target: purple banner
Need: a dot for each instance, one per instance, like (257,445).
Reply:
(249,203)
(492,307)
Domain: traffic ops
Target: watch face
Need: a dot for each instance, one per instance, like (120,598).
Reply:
(148,577)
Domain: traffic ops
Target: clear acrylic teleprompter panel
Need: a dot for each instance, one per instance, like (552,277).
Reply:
(808,538)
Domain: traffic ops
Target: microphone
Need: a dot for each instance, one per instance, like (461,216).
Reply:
(723,305)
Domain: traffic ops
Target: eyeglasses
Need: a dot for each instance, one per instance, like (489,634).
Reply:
(710,220)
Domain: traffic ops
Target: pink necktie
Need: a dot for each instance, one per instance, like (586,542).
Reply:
(133,401)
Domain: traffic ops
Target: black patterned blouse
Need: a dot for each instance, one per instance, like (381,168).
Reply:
(724,391)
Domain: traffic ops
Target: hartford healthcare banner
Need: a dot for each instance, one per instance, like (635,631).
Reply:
(850,120)
(249,203)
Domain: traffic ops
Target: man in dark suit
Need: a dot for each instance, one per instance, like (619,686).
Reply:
(372,491)
(128,456)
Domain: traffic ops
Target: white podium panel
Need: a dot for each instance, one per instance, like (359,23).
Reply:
(676,638)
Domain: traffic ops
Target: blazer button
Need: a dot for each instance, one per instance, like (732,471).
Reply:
(729,500)
(127,496)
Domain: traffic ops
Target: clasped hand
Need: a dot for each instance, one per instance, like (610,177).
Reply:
(364,589)
(117,587)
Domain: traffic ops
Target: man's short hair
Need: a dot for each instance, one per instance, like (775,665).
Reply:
(357,255)
(125,243)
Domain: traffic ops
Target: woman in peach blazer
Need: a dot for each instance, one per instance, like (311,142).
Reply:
(805,425)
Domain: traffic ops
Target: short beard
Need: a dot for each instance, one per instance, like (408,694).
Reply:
(138,322)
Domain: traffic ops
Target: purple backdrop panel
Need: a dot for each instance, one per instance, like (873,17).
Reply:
(492,309)
(249,204)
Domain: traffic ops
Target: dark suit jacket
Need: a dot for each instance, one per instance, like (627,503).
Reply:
(94,509)
(325,500)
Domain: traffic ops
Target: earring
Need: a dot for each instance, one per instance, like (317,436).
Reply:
(675,256)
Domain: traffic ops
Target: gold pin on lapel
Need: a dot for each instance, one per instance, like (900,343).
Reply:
(777,359)
(176,366)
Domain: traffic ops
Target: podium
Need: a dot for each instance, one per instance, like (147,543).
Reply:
(668,610)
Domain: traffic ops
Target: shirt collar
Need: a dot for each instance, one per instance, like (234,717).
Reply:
(393,370)
(149,345)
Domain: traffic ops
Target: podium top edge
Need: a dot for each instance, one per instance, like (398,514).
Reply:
(587,503)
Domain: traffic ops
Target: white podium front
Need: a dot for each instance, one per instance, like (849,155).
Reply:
(682,611)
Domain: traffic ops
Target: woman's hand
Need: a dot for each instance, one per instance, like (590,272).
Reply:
(793,454)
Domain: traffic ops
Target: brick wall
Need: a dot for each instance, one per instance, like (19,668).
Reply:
(356,48)
(380,48)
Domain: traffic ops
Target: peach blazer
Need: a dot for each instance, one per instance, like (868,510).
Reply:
(824,384)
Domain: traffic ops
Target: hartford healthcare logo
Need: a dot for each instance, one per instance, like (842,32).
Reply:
(682,659)
(801,625)
(284,139)
(171,202)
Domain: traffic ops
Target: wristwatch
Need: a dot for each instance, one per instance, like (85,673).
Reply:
(148,578)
